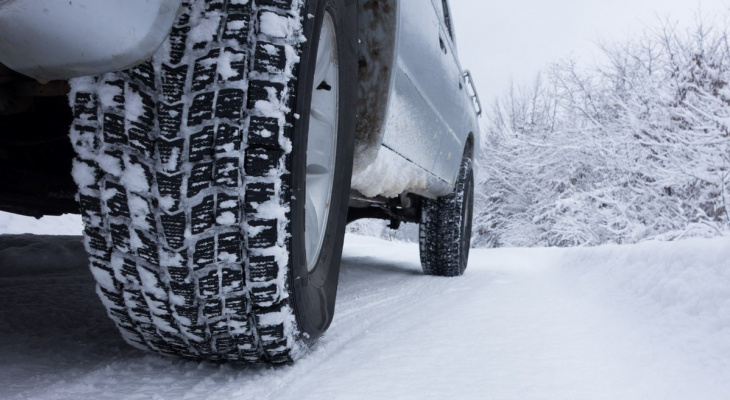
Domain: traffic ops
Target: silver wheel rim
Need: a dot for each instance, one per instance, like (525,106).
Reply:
(321,142)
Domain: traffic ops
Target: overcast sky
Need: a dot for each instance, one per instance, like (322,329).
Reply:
(501,40)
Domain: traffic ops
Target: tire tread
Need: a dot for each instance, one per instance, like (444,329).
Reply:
(440,231)
(170,193)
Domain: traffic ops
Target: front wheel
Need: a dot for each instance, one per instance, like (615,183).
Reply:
(214,179)
(445,229)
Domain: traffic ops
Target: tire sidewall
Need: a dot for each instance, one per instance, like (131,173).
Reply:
(314,292)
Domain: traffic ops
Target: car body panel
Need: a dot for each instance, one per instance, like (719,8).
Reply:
(415,115)
(53,39)
(429,114)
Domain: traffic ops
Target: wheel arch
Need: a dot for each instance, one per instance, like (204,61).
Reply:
(469,146)
(377,48)
(472,149)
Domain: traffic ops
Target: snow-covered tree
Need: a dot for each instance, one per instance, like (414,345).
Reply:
(636,149)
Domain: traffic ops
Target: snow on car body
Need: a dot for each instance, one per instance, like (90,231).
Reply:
(214,174)
(410,59)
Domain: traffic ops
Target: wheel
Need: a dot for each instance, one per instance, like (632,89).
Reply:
(214,179)
(445,228)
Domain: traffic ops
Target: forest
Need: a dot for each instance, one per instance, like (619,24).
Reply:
(635,148)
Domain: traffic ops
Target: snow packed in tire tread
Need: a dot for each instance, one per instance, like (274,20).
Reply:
(180,162)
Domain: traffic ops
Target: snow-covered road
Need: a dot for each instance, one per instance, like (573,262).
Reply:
(650,321)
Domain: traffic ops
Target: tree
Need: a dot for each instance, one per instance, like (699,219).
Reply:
(636,149)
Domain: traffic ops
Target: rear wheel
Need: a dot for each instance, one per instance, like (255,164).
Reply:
(214,180)
(445,229)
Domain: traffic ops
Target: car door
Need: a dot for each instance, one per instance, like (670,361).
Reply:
(459,109)
(426,104)
(415,124)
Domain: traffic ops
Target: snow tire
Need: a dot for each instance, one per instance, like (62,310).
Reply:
(190,175)
(445,229)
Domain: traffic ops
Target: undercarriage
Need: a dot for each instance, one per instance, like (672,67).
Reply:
(35,153)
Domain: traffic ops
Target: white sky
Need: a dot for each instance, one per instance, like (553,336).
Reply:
(500,41)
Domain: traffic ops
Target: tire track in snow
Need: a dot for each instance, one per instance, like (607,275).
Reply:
(372,293)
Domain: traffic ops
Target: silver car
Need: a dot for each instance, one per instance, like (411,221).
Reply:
(219,148)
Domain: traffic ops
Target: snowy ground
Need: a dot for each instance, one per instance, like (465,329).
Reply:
(650,321)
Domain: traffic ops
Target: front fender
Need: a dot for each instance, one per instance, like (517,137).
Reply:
(52,39)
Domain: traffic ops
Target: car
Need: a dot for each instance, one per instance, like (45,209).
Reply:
(218,149)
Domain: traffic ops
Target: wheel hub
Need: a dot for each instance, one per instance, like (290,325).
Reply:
(321,142)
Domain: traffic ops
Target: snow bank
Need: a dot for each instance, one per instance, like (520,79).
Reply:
(690,278)
(31,254)
(67,224)
(681,288)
